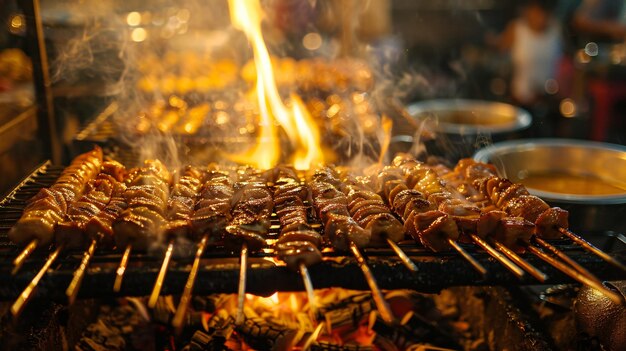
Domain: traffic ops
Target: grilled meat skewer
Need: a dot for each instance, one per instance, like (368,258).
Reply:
(49,206)
(212,210)
(252,206)
(331,205)
(180,209)
(514,199)
(343,232)
(422,220)
(97,228)
(181,204)
(141,223)
(72,233)
(46,209)
(209,218)
(438,220)
(298,243)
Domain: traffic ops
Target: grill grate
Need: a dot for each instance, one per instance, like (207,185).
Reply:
(220,268)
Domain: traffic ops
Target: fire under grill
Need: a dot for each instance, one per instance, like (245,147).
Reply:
(219,268)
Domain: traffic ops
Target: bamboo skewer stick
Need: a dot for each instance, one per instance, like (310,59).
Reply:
(574,274)
(313,337)
(560,254)
(498,256)
(241,286)
(308,286)
(377,294)
(21,301)
(185,299)
(525,265)
(158,285)
(591,248)
(24,254)
(403,256)
(119,274)
(479,267)
(72,289)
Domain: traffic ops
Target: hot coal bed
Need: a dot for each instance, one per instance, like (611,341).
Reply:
(445,305)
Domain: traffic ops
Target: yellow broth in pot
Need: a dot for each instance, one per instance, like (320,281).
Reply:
(567,183)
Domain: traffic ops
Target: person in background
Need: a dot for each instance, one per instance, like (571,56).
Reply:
(535,43)
(601,20)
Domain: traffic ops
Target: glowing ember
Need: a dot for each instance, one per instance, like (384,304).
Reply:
(246,15)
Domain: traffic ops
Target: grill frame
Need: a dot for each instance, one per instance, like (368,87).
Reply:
(220,268)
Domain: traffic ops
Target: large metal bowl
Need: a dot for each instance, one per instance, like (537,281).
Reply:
(462,116)
(607,162)
(463,126)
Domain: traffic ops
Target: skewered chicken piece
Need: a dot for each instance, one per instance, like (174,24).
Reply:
(482,185)
(252,206)
(371,212)
(72,233)
(97,228)
(435,229)
(514,199)
(343,232)
(180,209)
(331,205)
(100,226)
(45,211)
(516,231)
(467,215)
(208,223)
(181,204)
(141,223)
(433,214)
(298,242)
(49,206)
(212,209)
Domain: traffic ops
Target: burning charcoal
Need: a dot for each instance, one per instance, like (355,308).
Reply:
(416,329)
(329,346)
(349,310)
(262,335)
(220,324)
(114,329)
(100,336)
(201,341)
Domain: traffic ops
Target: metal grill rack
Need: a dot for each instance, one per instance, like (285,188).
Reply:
(220,268)
(103,131)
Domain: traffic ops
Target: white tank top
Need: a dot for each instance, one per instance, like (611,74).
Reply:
(535,56)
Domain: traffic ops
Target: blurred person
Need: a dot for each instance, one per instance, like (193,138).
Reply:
(601,20)
(534,41)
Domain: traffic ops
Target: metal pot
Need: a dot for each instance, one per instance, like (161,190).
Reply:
(607,162)
(464,126)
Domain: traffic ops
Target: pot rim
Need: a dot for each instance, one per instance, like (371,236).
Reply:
(484,155)
(522,119)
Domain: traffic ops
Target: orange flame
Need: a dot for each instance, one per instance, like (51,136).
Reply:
(246,15)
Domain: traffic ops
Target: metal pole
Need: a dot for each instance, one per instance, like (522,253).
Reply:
(46,122)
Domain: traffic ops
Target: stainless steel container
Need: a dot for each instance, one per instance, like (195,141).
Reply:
(464,126)
(606,162)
